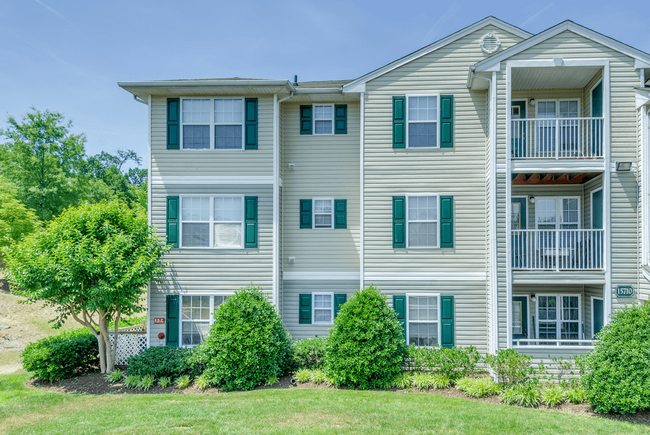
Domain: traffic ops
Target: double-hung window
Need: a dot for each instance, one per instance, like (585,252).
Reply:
(323,119)
(212,123)
(197,315)
(423,320)
(323,308)
(559,317)
(423,122)
(422,221)
(212,222)
(560,111)
(557,214)
(323,211)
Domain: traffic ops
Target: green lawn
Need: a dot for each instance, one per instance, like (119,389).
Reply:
(24,410)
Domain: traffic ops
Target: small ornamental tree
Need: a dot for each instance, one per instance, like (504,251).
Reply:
(91,263)
(617,377)
(366,347)
(247,344)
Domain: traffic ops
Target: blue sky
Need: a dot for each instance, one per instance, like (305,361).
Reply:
(68,55)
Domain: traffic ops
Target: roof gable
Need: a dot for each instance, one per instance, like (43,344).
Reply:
(642,58)
(359,84)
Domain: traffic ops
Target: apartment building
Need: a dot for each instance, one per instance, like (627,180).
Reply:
(493,184)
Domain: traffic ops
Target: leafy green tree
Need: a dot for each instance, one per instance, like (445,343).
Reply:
(43,160)
(16,220)
(92,263)
(127,185)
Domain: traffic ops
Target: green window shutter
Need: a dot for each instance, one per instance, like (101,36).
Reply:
(304,307)
(341,119)
(305,213)
(447,318)
(172,220)
(173,124)
(251,124)
(305,119)
(446,121)
(340,213)
(251,222)
(399,122)
(338,301)
(446,221)
(399,305)
(172,321)
(399,222)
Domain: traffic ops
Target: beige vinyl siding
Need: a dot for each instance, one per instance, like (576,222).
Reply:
(470,307)
(457,171)
(623,77)
(290,313)
(166,162)
(326,166)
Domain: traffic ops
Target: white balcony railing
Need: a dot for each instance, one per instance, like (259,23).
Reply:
(547,342)
(560,138)
(557,249)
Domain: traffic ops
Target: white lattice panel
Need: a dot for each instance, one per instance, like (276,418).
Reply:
(128,345)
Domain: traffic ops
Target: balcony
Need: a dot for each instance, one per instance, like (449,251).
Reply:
(558,250)
(557,138)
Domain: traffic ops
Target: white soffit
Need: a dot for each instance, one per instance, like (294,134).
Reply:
(641,58)
(552,78)
(358,85)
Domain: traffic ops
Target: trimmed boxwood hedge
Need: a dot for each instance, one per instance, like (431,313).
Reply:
(160,362)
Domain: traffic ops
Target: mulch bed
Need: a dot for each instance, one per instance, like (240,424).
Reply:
(96,384)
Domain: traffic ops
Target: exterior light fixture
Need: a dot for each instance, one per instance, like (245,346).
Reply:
(532,102)
(533,298)
(623,166)
(532,200)
(292,166)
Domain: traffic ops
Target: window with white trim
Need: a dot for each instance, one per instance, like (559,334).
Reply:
(197,315)
(323,308)
(423,121)
(212,123)
(423,320)
(323,119)
(422,221)
(212,221)
(323,213)
(558,317)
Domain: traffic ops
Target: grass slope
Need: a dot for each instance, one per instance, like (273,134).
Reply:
(24,410)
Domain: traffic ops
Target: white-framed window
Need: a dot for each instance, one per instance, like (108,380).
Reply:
(557,213)
(212,221)
(423,319)
(422,221)
(197,315)
(323,308)
(323,212)
(212,123)
(568,129)
(423,121)
(323,119)
(559,317)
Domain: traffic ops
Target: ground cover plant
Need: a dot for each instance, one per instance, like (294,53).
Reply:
(287,411)
(366,346)
(247,343)
(617,378)
(62,356)
(164,361)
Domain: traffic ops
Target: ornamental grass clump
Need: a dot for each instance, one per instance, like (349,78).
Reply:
(422,381)
(247,344)
(576,395)
(403,381)
(302,375)
(164,382)
(617,378)
(553,396)
(146,382)
(183,382)
(116,376)
(202,382)
(478,387)
(525,394)
(366,347)
(132,381)
(318,377)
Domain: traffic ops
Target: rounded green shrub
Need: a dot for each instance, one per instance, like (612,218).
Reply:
(62,356)
(366,347)
(163,361)
(617,378)
(247,344)
(310,352)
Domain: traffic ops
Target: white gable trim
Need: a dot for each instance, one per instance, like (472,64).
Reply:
(640,57)
(358,85)
(642,97)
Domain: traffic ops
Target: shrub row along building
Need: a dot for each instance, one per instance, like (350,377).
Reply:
(494,185)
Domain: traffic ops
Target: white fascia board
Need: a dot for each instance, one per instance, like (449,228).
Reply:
(213,179)
(639,56)
(640,64)
(642,97)
(425,276)
(200,82)
(358,88)
(552,165)
(318,91)
(435,46)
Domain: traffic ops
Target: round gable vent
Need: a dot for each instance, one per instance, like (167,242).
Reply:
(490,43)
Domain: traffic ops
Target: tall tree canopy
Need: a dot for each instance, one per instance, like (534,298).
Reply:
(92,263)
(43,160)
(16,220)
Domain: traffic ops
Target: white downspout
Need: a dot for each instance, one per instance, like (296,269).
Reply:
(276,197)
(362,115)
(607,187)
(148,212)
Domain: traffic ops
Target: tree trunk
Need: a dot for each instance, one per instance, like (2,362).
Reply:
(105,345)
(102,352)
